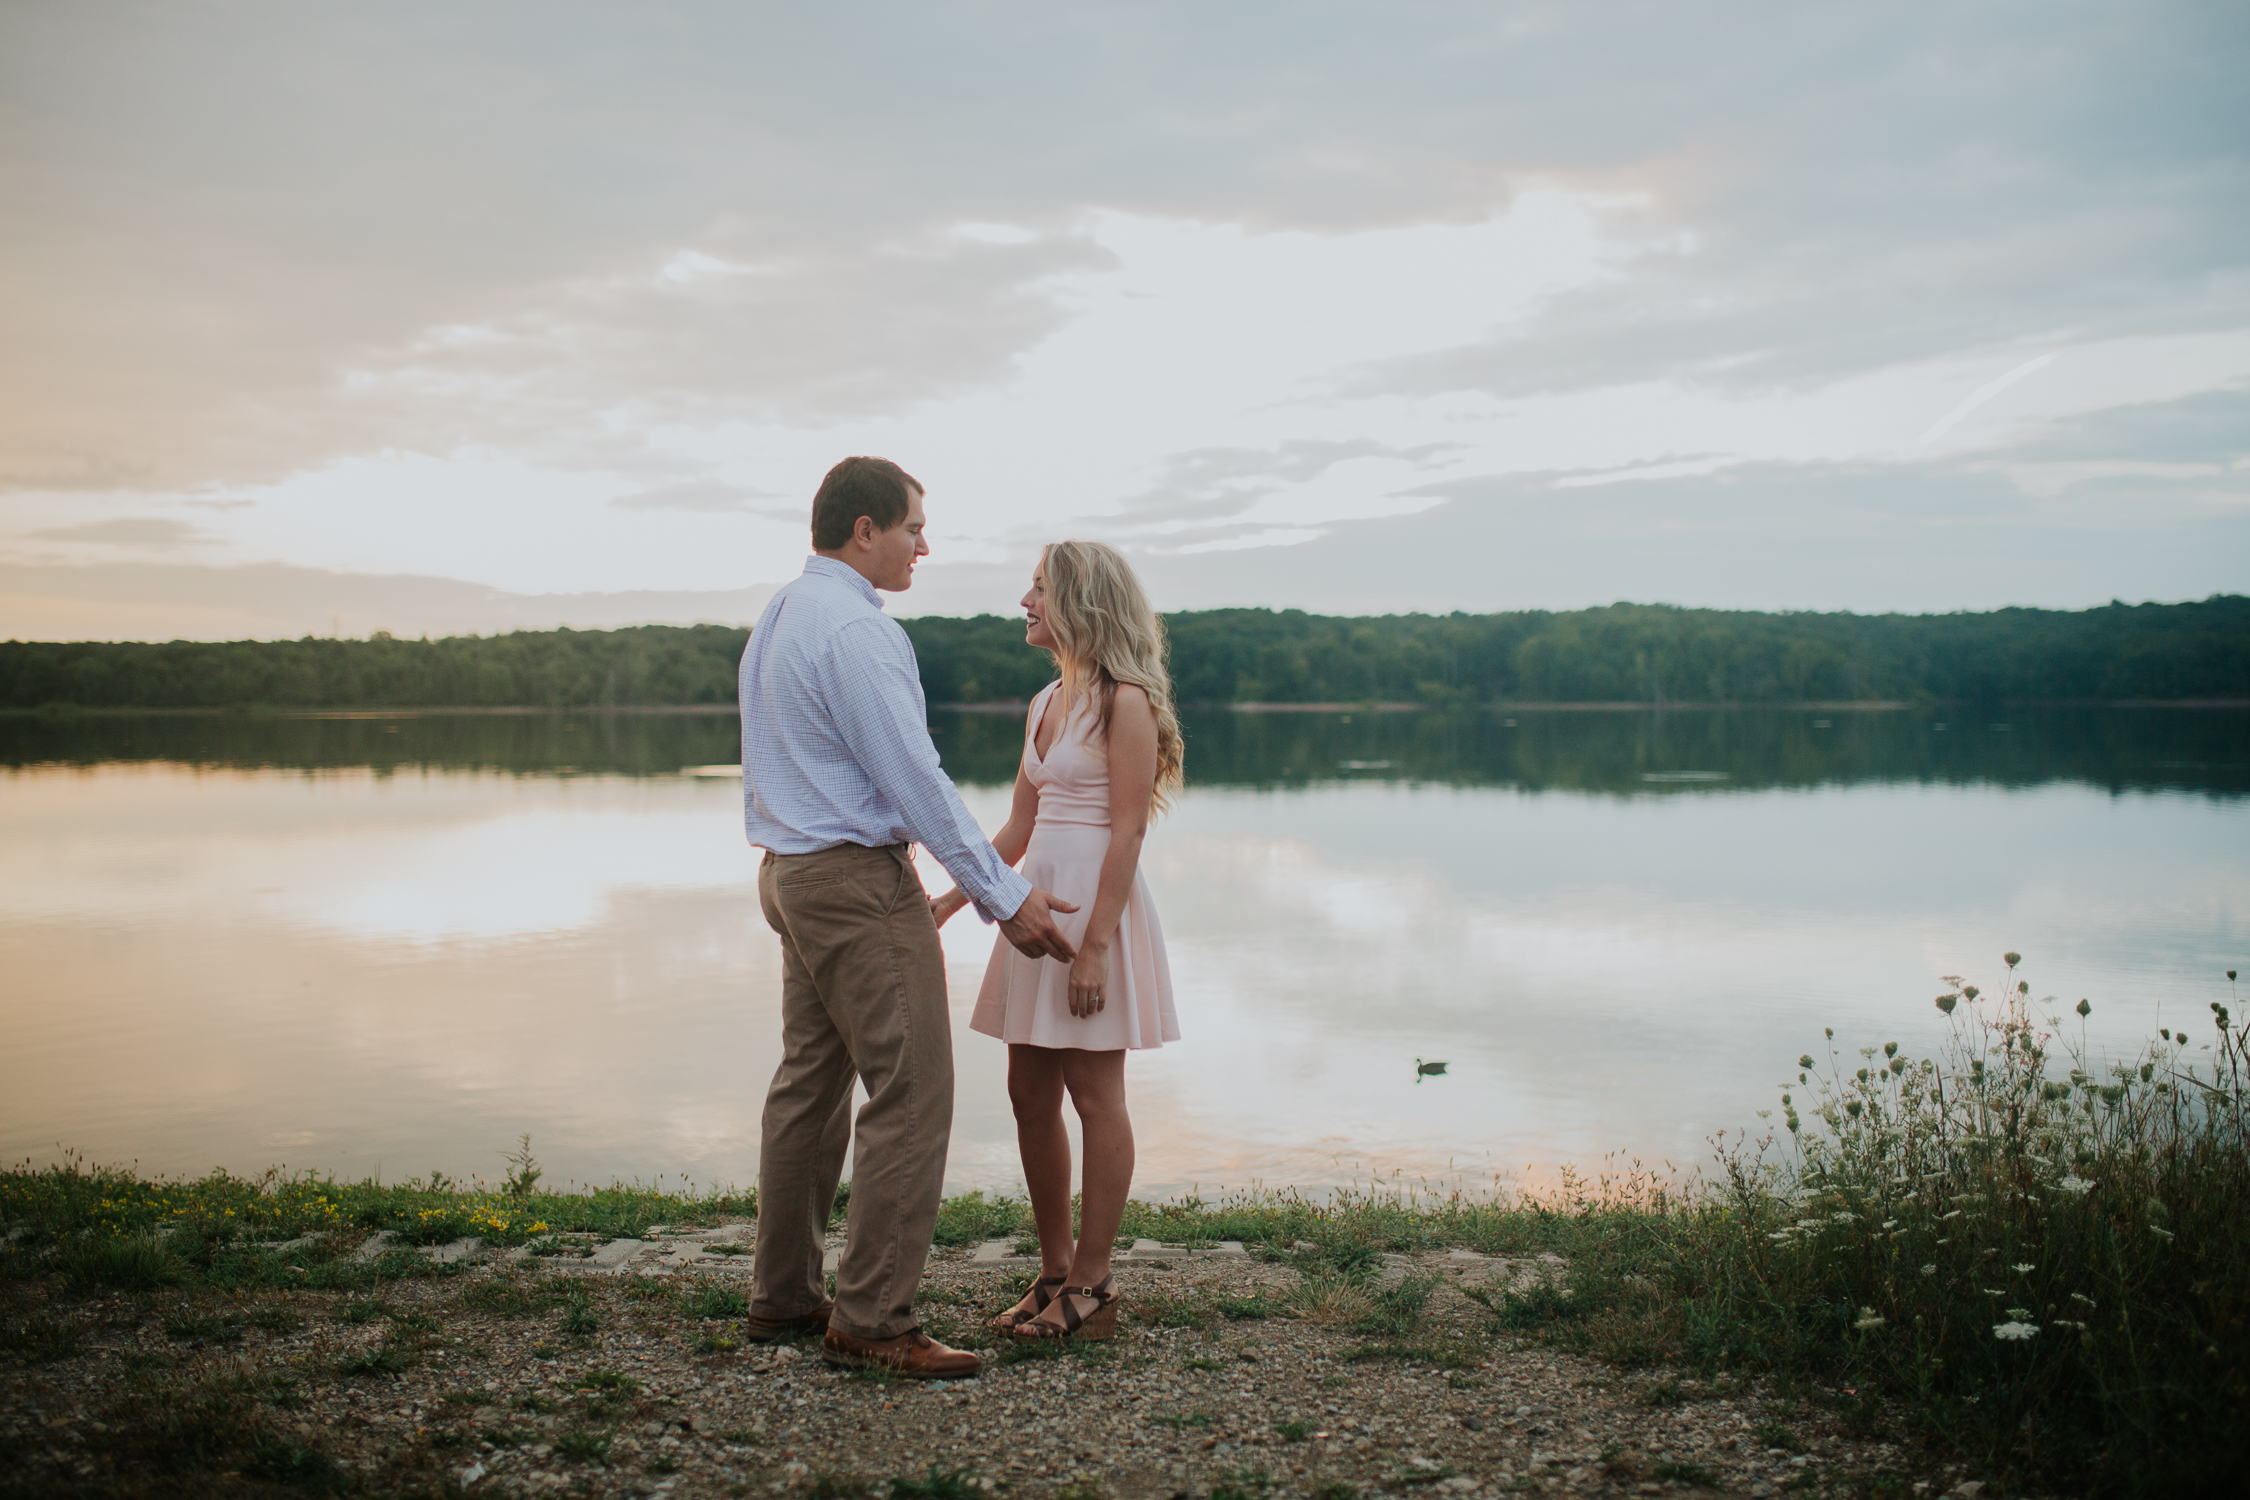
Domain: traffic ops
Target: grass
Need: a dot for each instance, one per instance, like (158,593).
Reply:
(1397,1310)
(516,1295)
(42,1339)
(107,1219)
(126,1262)
(711,1300)
(1700,1476)
(1772,1434)
(1444,1356)
(371,1363)
(200,1328)
(583,1447)
(938,1484)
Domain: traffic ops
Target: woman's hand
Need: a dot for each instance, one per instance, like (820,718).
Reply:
(1089,972)
(942,907)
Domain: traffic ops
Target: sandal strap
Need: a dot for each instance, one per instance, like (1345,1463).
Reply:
(1072,1319)
(1101,1296)
(1041,1295)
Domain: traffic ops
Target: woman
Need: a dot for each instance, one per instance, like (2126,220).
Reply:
(1101,756)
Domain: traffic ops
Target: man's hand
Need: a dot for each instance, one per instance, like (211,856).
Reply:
(1033,930)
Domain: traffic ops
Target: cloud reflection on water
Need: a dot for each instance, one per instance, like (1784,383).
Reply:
(340,970)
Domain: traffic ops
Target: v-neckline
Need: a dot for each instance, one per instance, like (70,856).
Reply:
(1038,755)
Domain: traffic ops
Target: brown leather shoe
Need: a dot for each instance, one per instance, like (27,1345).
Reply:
(914,1356)
(765,1330)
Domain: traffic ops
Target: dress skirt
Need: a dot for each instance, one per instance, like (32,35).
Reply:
(1028,999)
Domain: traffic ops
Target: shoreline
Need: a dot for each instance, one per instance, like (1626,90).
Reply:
(1018,706)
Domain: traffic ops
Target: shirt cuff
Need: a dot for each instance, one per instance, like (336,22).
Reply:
(1005,899)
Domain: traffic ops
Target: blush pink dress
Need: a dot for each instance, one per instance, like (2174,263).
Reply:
(1028,999)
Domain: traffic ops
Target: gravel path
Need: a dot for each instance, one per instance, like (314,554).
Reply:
(1230,1378)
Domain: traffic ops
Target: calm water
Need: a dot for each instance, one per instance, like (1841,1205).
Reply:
(396,943)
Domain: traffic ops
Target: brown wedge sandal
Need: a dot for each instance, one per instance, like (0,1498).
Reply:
(1094,1326)
(1042,1292)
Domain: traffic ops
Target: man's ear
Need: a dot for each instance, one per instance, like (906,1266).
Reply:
(863,531)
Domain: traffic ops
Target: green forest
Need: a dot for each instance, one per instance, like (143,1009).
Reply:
(1621,653)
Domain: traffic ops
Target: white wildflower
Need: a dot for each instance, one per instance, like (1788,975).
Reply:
(2019,1312)
(1953,1215)
(2082,1297)
(1890,1223)
(2024,1266)
(2068,1323)
(2014,1331)
(1930,1270)
(2075,1184)
(1842,1216)
(1867,1320)
(1784,1237)
(2156,1229)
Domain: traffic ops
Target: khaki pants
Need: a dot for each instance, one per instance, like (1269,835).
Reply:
(862,993)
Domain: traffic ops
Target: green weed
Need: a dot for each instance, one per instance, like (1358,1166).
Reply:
(506,1295)
(201,1328)
(43,1339)
(712,1300)
(1397,1310)
(372,1362)
(1771,1434)
(583,1447)
(1699,1475)
(938,1484)
(123,1263)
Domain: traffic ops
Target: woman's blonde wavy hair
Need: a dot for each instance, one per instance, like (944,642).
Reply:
(1106,634)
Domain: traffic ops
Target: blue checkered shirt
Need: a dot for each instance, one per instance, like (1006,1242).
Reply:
(836,739)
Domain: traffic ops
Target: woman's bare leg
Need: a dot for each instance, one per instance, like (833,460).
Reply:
(1035,1088)
(1096,1081)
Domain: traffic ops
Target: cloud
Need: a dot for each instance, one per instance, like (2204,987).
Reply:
(2092,508)
(149,533)
(249,241)
(155,601)
(1221,278)
(708,496)
(1199,490)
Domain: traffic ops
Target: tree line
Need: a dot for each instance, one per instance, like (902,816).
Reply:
(1635,653)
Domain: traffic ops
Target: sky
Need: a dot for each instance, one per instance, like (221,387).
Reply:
(324,318)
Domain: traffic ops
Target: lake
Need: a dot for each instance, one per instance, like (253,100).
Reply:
(394,943)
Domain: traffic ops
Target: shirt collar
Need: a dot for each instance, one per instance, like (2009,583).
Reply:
(828,567)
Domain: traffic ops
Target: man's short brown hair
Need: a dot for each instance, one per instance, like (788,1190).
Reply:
(872,487)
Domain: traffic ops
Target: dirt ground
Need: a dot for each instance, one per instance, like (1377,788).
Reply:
(1230,1378)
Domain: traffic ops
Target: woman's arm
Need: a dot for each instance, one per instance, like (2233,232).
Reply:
(1012,839)
(1132,786)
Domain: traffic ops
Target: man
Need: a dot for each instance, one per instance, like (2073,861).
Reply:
(838,777)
